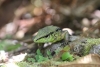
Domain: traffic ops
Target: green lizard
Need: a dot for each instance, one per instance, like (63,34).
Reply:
(52,37)
(50,34)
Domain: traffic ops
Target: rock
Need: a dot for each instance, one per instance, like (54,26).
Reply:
(95,49)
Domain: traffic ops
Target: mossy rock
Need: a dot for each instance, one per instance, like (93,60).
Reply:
(84,47)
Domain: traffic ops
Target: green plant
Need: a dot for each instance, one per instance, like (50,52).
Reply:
(31,60)
(39,56)
(49,54)
(67,56)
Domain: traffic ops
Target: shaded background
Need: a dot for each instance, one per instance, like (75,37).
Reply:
(20,17)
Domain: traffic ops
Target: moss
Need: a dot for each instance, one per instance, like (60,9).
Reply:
(89,44)
(49,63)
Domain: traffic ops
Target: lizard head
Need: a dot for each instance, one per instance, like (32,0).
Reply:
(49,34)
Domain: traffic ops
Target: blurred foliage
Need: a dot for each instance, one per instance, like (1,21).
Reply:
(8,46)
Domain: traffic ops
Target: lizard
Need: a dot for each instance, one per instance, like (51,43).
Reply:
(52,36)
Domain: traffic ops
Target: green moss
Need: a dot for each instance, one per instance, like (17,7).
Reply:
(49,63)
(89,44)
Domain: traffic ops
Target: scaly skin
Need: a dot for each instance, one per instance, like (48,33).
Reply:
(49,34)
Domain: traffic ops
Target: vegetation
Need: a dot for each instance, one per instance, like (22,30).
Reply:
(49,33)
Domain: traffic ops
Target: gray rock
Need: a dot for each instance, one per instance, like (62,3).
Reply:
(95,49)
